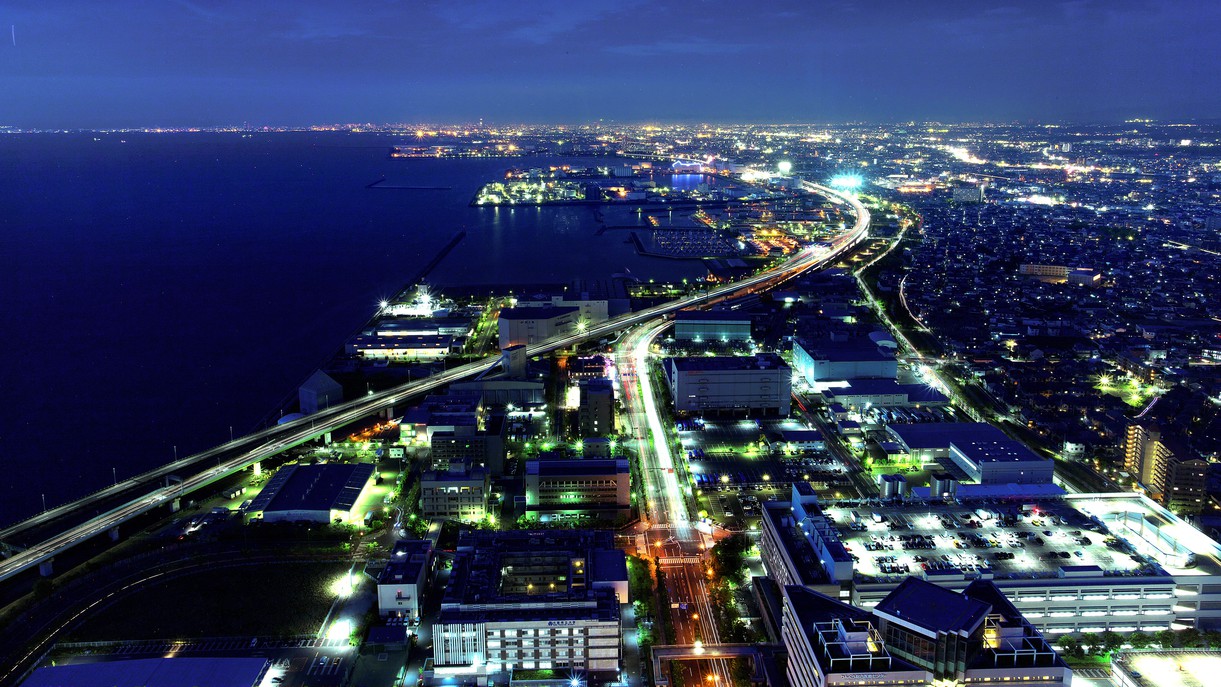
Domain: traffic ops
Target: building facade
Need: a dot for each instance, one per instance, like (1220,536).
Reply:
(457,493)
(761,384)
(402,584)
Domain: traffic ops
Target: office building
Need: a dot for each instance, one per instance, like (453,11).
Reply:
(920,634)
(459,492)
(402,584)
(596,413)
(530,601)
(526,326)
(466,443)
(760,384)
(711,326)
(560,488)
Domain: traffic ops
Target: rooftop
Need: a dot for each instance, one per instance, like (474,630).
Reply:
(334,486)
(153,672)
(933,607)
(545,312)
(762,361)
(712,316)
(407,560)
(915,539)
(577,467)
(940,435)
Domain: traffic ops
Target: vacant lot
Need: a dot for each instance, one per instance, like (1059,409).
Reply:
(285,598)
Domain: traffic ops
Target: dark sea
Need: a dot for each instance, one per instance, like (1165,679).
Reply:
(158,289)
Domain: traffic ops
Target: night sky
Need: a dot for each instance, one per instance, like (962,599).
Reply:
(115,63)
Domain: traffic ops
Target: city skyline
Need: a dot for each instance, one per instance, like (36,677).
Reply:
(221,64)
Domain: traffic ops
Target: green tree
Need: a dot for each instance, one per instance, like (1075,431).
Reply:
(1139,640)
(1190,638)
(1071,647)
(1212,639)
(729,558)
(1091,642)
(1111,641)
(1165,638)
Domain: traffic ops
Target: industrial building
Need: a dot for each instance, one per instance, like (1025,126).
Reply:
(760,384)
(400,348)
(561,488)
(837,359)
(920,634)
(530,601)
(863,393)
(1080,563)
(315,493)
(596,410)
(213,671)
(711,326)
(459,492)
(402,584)
(319,392)
(984,453)
(525,326)
(481,447)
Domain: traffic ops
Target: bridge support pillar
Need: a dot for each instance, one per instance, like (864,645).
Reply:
(258,467)
(45,568)
(175,505)
(114,533)
(326,439)
(388,413)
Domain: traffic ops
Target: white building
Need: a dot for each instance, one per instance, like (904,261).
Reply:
(404,581)
(761,384)
(458,493)
(862,358)
(531,325)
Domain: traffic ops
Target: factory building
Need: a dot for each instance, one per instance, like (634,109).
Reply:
(837,360)
(711,326)
(519,601)
(319,392)
(982,453)
(315,493)
(760,384)
(526,326)
(402,584)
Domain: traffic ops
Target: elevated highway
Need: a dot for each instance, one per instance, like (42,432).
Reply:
(245,451)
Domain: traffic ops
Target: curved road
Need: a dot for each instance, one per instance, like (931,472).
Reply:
(269,442)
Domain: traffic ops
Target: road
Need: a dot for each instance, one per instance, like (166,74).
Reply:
(668,532)
(244,451)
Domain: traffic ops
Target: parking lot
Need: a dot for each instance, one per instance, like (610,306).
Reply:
(894,541)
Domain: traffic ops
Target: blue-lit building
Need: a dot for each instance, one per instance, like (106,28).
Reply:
(313,493)
(758,385)
(711,326)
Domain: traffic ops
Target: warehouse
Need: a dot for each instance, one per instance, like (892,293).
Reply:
(313,493)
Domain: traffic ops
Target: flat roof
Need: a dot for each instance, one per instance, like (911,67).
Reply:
(997,451)
(730,316)
(153,672)
(761,361)
(863,349)
(939,435)
(588,467)
(942,534)
(407,558)
(799,549)
(916,393)
(544,312)
(331,486)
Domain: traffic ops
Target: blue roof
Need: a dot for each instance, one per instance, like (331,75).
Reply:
(153,672)
(939,435)
(933,607)
(334,486)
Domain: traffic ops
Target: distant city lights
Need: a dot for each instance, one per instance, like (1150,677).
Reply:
(847,182)
(784,167)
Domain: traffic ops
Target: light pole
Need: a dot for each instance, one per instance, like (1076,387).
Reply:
(114,476)
(175,451)
(230,433)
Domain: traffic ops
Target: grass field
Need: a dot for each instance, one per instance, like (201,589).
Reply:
(281,599)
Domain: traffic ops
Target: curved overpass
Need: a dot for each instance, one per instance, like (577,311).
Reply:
(269,442)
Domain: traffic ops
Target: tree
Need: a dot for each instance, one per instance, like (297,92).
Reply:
(1139,640)
(1091,643)
(1071,647)
(1111,641)
(1190,638)
(1212,639)
(1165,638)
(729,558)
